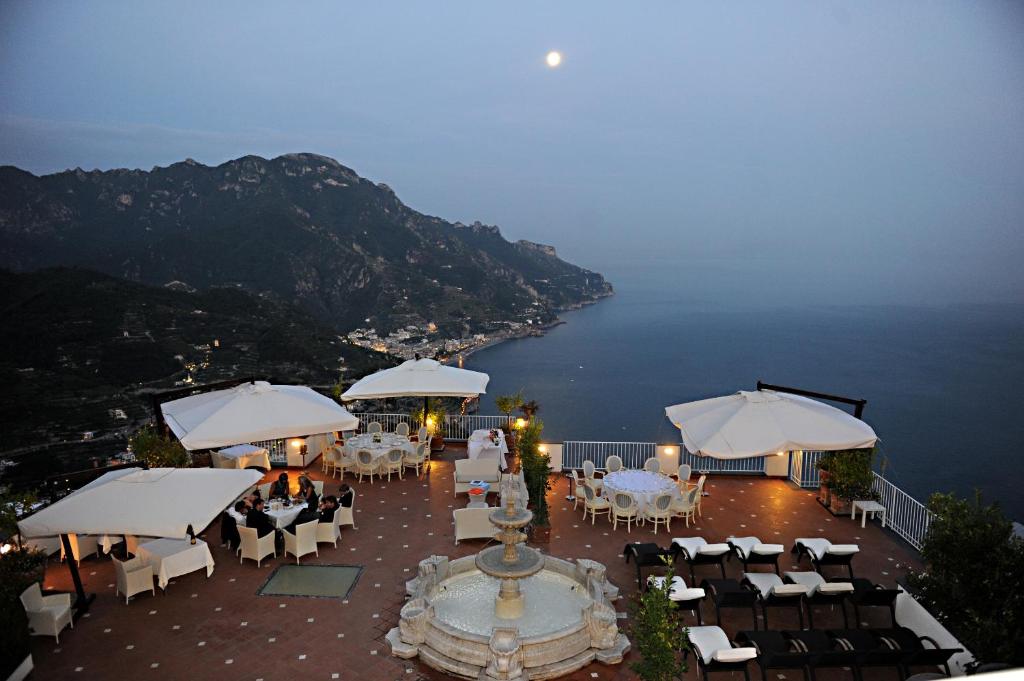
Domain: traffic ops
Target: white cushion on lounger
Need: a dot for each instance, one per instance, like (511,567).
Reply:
(811,580)
(843,549)
(694,545)
(735,654)
(769,549)
(678,590)
(707,640)
(763,581)
(744,544)
(836,587)
(817,545)
(789,590)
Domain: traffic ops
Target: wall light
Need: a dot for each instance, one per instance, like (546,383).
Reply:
(543,449)
(668,450)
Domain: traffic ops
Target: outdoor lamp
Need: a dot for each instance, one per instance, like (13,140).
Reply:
(542,448)
(520,423)
(668,450)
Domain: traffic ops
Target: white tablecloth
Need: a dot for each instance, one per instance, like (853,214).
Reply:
(480,446)
(643,485)
(175,557)
(282,517)
(388,442)
(247,455)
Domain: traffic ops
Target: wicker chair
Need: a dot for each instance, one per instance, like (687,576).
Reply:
(303,542)
(589,473)
(365,464)
(683,472)
(402,429)
(686,506)
(594,504)
(624,507)
(418,459)
(613,463)
(393,462)
(660,511)
(47,615)
(330,532)
(652,465)
(133,577)
(253,546)
(374,427)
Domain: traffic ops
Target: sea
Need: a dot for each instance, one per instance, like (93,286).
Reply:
(943,384)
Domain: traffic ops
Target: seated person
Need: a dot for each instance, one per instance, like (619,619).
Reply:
(347,496)
(241,507)
(327,508)
(257,518)
(308,492)
(279,490)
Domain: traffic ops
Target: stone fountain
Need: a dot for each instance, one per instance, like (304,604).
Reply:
(509,613)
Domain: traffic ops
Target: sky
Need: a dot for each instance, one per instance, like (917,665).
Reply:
(774,153)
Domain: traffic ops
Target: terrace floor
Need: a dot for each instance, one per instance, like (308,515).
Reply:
(219,628)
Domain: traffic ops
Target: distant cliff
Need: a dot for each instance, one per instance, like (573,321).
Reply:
(300,228)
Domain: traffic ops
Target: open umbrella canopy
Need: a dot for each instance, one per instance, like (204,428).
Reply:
(160,502)
(252,412)
(763,422)
(419,378)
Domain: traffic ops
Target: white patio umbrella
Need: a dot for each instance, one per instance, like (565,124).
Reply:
(764,422)
(160,502)
(252,412)
(424,378)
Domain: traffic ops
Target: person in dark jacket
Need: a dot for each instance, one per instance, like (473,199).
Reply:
(280,488)
(327,508)
(257,518)
(347,496)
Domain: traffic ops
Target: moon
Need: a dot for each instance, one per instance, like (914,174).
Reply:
(554,59)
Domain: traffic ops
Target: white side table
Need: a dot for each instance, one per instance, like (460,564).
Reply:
(866,507)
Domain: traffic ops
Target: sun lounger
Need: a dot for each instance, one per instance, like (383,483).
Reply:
(645,555)
(715,653)
(870,651)
(772,592)
(915,652)
(775,651)
(825,652)
(685,598)
(821,592)
(823,552)
(867,594)
(728,593)
(697,551)
(752,551)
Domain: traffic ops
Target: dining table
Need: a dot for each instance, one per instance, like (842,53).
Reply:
(172,558)
(388,441)
(481,445)
(643,485)
(282,515)
(244,456)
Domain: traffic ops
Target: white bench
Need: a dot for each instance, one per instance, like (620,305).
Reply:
(468,470)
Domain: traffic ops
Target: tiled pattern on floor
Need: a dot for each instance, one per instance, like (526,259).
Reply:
(219,629)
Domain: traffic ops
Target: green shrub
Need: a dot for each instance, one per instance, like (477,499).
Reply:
(658,635)
(536,467)
(18,569)
(849,473)
(157,451)
(971,583)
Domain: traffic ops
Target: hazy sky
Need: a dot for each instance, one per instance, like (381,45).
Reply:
(773,152)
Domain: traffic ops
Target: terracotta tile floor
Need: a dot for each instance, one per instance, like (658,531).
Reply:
(218,628)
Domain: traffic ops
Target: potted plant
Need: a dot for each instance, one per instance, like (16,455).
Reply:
(507,404)
(846,477)
(658,634)
(536,468)
(434,421)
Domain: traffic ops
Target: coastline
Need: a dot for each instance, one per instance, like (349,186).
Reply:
(533,332)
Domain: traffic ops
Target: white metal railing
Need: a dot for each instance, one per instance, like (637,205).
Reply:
(803,468)
(708,464)
(633,454)
(904,515)
(455,427)
(276,449)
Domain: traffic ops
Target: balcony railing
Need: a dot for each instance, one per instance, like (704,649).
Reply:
(456,427)
(803,468)
(633,454)
(905,515)
(708,464)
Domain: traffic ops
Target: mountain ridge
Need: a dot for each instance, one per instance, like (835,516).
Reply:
(301,227)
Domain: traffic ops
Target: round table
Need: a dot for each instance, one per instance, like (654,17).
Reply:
(644,486)
(388,442)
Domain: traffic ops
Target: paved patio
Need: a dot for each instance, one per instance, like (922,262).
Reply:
(219,628)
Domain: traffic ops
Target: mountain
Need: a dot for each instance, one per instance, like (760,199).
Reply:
(299,228)
(75,346)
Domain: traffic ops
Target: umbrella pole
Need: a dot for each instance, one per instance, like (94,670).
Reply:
(426,410)
(83,601)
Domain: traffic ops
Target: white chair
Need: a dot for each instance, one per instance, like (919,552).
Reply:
(594,504)
(683,472)
(47,615)
(133,577)
(660,511)
(589,474)
(318,487)
(577,492)
(81,545)
(418,459)
(303,542)
(393,462)
(330,532)
(613,463)
(365,464)
(347,516)
(421,435)
(686,506)
(473,523)
(624,507)
(402,429)
(253,546)
(652,465)
(329,460)
(345,462)
(700,493)
(374,427)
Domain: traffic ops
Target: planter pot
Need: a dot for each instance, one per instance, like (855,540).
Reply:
(839,506)
(437,443)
